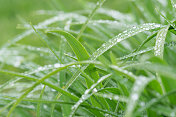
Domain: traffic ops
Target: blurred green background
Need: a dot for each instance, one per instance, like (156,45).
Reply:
(13,12)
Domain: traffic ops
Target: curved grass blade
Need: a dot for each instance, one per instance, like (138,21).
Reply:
(145,41)
(160,41)
(80,53)
(138,87)
(77,47)
(86,94)
(122,36)
(159,50)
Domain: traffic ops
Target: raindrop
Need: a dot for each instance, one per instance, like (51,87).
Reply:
(134,96)
(57,65)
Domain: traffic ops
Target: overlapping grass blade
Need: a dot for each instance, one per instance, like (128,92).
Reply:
(36,84)
(86,94)
(62,103)
(106,46)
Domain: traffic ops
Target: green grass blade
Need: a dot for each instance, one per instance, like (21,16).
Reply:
(129,75)
(86,94)
(60,102)
(156,100)
(159,50)
(145,41)
(77,47)
(136,53)
(43,40)
(112,97)
(36,84)
(138,87)
(45,83)
(122,36)
(39,104)
(160,41)
(99,4)
(81,54)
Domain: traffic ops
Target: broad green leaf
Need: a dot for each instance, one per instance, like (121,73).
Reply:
(77,47)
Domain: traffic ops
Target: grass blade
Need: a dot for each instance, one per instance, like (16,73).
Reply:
(86,95)
(39,104)
(77,47)
(99,4)
(138,87)
(122,36)
(160,41)
(112,97)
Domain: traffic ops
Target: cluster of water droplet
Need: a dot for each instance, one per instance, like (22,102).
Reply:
(11,57)
(122,36)
(136,53)
(160,41)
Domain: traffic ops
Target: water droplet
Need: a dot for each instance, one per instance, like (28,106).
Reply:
(172,114)
(57,65)
(134,96)
(94,90)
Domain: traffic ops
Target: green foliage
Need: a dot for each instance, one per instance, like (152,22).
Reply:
(92,59)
